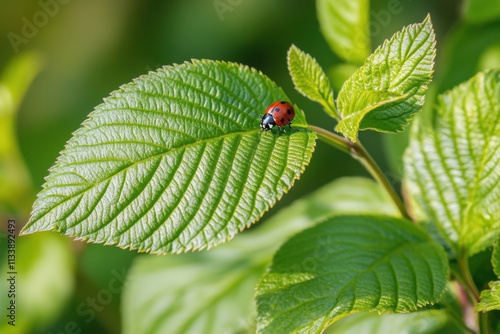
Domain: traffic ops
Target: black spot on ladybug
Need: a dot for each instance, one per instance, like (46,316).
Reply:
(276,109)
(282,102)
(282,120)
(288,111)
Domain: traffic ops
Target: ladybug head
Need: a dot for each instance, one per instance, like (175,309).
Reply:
(267,122)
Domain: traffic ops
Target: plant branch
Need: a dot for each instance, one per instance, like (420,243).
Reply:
(360,153)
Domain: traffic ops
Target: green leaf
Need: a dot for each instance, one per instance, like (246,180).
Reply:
(451,165)
(389,88)
(174,161)
(223,280)
(344,23)
(489,299)
(349,264)
(310,79)
(481,11)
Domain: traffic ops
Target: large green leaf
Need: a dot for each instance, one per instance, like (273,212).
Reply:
(174,161)
(344,23)
(310,79)
(451,165)
(349,264)
(223,280)
(389,88)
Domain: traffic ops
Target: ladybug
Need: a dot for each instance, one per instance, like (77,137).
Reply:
(279,113)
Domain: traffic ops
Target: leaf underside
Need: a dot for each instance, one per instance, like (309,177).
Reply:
(174,161)
(349,264)
(451,166)
(389,88)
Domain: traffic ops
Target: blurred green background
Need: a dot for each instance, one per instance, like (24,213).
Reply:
(54,73)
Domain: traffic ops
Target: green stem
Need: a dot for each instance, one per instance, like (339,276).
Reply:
(484,326)
(470,286)
(358,151)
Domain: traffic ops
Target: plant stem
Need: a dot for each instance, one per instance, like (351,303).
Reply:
(470,286)
(360,153)
(472,291)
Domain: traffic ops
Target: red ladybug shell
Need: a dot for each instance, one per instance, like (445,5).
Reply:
(282,112)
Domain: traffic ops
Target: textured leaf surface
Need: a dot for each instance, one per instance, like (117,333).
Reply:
(16,189)
(174,161)
(222,282)
(349,264)
(451,166)
(344,23)
(489,299)
(310,79)
(389,88)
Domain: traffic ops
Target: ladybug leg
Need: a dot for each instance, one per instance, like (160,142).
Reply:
(290,126)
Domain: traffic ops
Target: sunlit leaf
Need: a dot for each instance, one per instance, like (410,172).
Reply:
(174,161)
(389,88)
(222,281)
(451,165)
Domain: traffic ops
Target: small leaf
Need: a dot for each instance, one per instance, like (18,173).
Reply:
(344,23)
(389,88)
(310,79)
(489,299)
(223,280)
(174,161)
(349,264)
(451,165)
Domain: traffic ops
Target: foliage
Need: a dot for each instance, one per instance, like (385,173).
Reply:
(175,162)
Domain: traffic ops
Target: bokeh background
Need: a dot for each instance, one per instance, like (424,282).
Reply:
(80,51)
